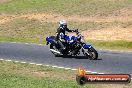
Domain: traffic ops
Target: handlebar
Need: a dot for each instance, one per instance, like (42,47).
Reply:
(76,30)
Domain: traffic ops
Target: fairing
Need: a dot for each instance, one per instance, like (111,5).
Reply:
(50,40)
(87,46)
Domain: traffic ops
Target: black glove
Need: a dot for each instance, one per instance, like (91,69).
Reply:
(75,30)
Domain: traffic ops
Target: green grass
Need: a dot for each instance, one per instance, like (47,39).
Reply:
(16,81)
(21,30)
(118,44)
(17,75)
(66,7)
(18,39)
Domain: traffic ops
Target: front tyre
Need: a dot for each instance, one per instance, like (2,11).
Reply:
(92,54)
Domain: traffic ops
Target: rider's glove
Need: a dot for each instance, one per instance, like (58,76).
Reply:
(74,30)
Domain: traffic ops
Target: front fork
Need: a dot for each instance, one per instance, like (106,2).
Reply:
(84,51)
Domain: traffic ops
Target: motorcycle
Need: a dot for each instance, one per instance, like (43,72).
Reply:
(74,45)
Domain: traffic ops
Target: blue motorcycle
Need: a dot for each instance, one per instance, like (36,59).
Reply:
(74,45)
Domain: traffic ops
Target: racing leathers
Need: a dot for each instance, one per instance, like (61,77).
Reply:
(60,31)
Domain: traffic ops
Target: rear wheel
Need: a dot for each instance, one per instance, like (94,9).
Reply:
(92,54)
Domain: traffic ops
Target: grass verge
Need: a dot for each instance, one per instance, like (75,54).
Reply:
(17,75)
(118,44)
(113,45)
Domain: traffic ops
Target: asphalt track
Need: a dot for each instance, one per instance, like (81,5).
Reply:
(108,62)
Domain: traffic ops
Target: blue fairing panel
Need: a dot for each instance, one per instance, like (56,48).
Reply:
(86,46)
(51,40)
(48,39)
(67,38)
(73,37)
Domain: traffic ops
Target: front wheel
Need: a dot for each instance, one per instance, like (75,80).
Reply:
(92,54)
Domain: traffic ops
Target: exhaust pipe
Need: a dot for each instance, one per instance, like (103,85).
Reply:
(52,50)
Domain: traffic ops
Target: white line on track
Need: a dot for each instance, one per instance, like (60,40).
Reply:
(94,72)
(31,63)
(26,43)
(47,65)
(1,59)
(23,62)
(39,64)
(54,66)
(74,69)
(13,42)
(16,61)
(60,67)
(67,68)
(100,73)
(8,60)
(40,44)
(89,71)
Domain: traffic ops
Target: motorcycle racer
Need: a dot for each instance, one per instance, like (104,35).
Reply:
(61,33)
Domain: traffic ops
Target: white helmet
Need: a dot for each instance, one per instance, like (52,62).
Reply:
(63,24)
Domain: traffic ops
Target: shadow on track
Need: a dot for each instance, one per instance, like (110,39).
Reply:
(78,57)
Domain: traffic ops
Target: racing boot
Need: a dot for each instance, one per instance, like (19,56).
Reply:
(62,47)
